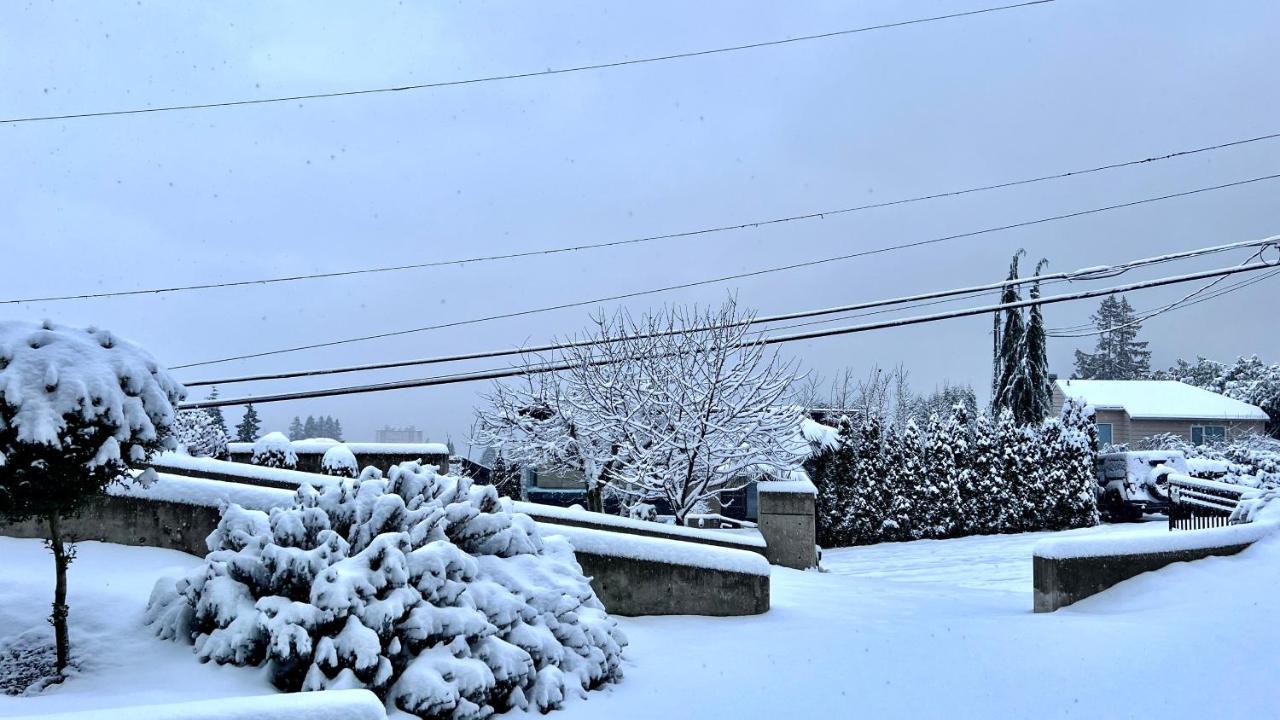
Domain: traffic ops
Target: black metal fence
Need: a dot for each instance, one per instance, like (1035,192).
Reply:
(1198,504)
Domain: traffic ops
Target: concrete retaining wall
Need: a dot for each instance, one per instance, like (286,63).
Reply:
(1061,581)
(626,586)
(788,523)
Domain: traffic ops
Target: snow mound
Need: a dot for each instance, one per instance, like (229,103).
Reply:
(274,450)
(51,373)
(425,589)
(339,460)
(338,705)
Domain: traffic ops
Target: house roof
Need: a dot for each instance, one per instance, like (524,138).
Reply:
(1159,400)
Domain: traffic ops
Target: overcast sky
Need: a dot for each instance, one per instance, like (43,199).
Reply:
(141,201)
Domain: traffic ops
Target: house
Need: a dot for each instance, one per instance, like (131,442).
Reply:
(1129,411)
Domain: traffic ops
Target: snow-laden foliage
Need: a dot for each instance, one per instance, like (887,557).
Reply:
(274,450)
(1119,354)
(1247,380)
(424,588)
(199,435)
(340,461)
(1252,460)
(958,477)
(680,405)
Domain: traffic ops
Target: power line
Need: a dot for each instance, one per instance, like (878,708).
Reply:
(1089,273)
(1181,304)
(726,278)
(751,225)
(810,335)
(530,74)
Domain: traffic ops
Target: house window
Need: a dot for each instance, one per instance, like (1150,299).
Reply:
(1104,434)
(1208,434)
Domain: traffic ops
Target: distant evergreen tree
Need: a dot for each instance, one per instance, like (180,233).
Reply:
(336,430)
(250,426)
(1119,355)
(215,413)
(506,478)
(830,472)
(295,429)
(309,427)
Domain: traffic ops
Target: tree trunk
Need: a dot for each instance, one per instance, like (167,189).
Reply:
(59,616)
(595,498)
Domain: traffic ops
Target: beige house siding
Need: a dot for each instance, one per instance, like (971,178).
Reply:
(1130,431)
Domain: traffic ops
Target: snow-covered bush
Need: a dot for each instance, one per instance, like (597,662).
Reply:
(426,589)
(1252,459)
(274,450)
(199,435)
(339,461)
(76,408)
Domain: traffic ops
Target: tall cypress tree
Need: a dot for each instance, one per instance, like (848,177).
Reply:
(868,490)
(1039,390)
(938,493)
(1010,367)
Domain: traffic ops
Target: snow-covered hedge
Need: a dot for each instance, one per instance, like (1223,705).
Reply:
(425,589)
(1252,460)
(274,450)
(340,461)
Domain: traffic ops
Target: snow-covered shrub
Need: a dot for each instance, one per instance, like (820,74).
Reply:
(1252,459)
(643,511)
(426,589)
(274,450)
(199,435)
(76,408)
(339,461)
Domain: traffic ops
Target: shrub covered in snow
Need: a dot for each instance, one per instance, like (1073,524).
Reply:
(1252,460)
(76,406)
(424,588)
(956,477)
(339,461)
(274,450)
(199,434)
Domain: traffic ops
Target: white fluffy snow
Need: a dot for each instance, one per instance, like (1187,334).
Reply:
(236,469)
(796,487)
(1142,541)
(551,514)
(1159,399)
(335,705)
(198,491)
(51,371)
(340,459)
(639,547)
(927,629)
(317,446)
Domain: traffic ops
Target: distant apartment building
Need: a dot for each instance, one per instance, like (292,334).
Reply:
(408,434)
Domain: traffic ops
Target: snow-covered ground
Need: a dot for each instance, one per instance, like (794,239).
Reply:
(928,629)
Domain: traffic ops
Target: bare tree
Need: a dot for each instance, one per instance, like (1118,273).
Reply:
(679,405)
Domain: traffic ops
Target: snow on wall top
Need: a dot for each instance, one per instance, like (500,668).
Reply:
(1159,400)
(234,469)
(319,446)
(678,552)
(48,371)
(800,487)
(675,532)
(1139,542)
(199,491)
(328,705)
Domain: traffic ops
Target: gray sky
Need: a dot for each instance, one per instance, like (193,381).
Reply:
(175,198)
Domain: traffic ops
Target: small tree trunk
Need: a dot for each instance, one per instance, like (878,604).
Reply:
(59,616)
(595,498)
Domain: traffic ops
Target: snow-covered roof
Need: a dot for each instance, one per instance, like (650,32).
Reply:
(1159,400)
(318,446)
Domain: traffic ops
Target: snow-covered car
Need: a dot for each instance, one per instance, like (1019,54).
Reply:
(1131,484)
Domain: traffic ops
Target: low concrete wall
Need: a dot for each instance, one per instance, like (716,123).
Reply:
(645,587)
(133,521)
(309,461)
(625,585)
(1061,581)
(788,523)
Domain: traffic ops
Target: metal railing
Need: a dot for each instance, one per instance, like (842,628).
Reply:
(1196,504)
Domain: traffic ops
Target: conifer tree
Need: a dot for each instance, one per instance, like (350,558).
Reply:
(1010,369)
(295,429)
(215,413)
(938,493)
(903,473)
(1009,469)
(1119,355)
(336,430)
(1039,391)
(309,427)
(250,425)
(981,490)
(1080,453)
(868,492)
(830,472)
